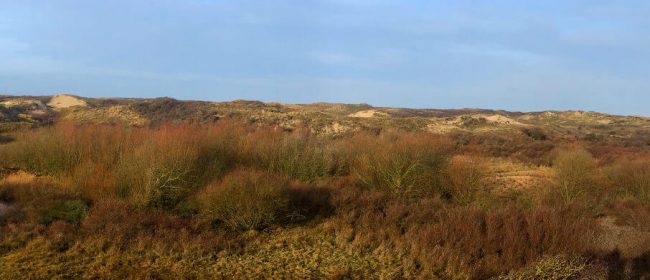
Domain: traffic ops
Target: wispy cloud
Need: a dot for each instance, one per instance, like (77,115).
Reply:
(377,58)
(499,52)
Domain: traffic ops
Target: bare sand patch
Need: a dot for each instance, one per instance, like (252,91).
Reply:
(368,114)
(65,101)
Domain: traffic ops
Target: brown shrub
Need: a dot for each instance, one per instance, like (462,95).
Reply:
(445,241)
(465,179)
(408,166)
(299,155)
(246,199)
(631,212)
(478,245)
(576,175)
(632,178)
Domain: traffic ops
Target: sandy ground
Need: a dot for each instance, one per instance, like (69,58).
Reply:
(65,101)
(367,114)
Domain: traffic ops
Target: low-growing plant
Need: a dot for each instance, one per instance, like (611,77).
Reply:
(465,179)
(246,199)
(558,268)
(156,176)
(172,163)
(298,155)
(535,133)
(576,170)
(408,167)
(68,210)
(632,178)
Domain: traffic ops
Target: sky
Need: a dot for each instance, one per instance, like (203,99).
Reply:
(514,55)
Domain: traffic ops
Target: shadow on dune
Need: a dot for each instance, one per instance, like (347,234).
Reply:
(621,268)
(4,139)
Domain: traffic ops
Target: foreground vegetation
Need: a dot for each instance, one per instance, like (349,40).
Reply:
(232,200)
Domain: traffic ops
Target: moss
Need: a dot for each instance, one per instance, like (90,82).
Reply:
(70,211)
(557,268)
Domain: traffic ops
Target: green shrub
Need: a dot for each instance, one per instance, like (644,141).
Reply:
(246,199)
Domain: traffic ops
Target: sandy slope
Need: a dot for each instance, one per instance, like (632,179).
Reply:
(65,101)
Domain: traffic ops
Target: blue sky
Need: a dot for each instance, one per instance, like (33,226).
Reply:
(513,55)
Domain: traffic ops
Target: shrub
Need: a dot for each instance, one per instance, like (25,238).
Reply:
(94,181)
(633,179)
(465,178)
(298,155)
(43,151)
(172,163)
(156,176)
(407,167)
(246,199)
(478,245)
(575,175)
(535,133)
(58,150)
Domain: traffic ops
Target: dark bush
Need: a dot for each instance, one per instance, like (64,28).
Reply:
(68,210)
(535,133)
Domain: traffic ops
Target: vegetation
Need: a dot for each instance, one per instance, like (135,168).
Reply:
(575,175)
(236,200)
(246,200)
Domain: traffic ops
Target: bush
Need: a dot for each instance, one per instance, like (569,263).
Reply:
(246,199)
(156,176)
(43,151)
(575,175)
(633,179)
(172,163)
(535,133)
(465,178)
(481,244)
(408,167)
(298,155)
(58,150)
